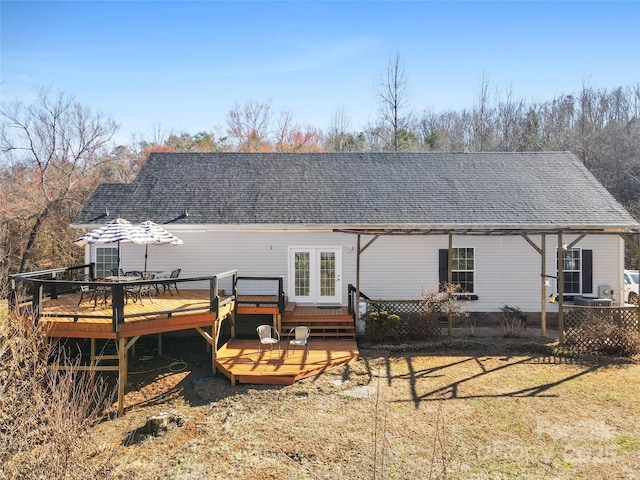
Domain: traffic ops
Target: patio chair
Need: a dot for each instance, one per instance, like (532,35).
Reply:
(87,290)
(117,272)
(169,285)
(94,293)
(301,338)
(136,292)
(268,336)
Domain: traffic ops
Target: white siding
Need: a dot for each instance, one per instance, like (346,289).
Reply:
(507,268)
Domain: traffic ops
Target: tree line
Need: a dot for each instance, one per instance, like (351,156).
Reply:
(55,152)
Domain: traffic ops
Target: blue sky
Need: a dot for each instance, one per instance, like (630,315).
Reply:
(183,65)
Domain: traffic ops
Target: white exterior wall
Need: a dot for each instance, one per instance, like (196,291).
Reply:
(507,268)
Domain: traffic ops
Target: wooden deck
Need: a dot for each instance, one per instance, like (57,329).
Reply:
(241,361)
(63,317)
(332,341)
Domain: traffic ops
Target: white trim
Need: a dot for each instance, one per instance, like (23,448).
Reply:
(474,270)
(567,294)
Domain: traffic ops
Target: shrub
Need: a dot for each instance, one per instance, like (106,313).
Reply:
(383,325)
(45,414)
(513,321)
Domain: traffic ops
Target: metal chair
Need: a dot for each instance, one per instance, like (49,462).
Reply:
(167,286)
(268,336)
(136,292)
(301,338)
(94,293)
(88,290)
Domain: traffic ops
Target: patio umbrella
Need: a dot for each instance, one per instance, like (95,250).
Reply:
(117,230)
(160,236)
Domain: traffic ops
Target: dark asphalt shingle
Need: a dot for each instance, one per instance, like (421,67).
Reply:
(362,189)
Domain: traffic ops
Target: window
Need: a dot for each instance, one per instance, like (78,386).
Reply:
(577,271)
(302,273)
(106,259)
(462,268)
(571,270)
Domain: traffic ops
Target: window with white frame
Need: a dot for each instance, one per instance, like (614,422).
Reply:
(463,269)
(572,271)
(106,260)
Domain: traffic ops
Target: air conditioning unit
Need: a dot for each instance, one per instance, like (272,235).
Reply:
(592,302)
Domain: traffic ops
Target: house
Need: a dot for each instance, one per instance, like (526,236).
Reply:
(393,224)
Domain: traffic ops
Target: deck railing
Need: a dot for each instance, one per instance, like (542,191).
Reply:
(29,290)
(20,286)
(269,291)
(352,301)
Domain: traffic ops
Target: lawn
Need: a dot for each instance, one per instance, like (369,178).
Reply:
(462,409)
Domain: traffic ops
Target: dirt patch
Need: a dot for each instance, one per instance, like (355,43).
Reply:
(480,407)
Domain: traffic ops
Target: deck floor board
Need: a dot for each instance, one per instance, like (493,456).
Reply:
(242,359)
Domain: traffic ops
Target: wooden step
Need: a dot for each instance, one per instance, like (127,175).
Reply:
(322,330)
(324,323)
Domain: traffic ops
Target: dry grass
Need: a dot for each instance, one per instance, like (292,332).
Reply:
(45,415)
(482,409)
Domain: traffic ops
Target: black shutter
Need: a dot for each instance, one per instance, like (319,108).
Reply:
(443,267)
(587,271)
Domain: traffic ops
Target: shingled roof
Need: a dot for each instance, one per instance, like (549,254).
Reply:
(547,190)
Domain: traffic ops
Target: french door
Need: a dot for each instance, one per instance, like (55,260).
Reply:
(315,275)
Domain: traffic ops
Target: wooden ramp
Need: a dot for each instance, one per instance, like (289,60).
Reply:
(241,361)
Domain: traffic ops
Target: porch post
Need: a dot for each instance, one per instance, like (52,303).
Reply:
(357,301)
(450,282)
(543,287)
(560,261)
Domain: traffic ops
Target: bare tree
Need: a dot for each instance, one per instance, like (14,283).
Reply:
(339,138)
(248,126)
(393,101)
(52,150)
(482,115)
(508,116)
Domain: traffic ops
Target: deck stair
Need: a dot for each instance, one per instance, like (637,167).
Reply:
(325,323)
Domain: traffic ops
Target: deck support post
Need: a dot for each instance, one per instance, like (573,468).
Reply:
(93,363)
(212,342)
(123,368)
(215,333)
(159,344)
(122,373)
